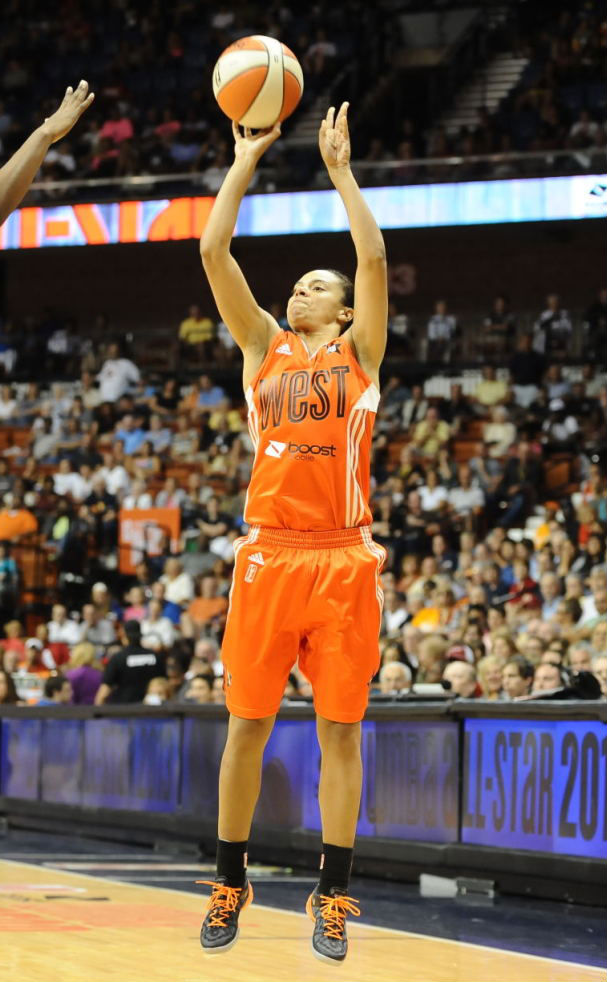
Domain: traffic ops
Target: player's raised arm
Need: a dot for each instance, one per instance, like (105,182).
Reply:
(19,172)
(248,323)
(369,329)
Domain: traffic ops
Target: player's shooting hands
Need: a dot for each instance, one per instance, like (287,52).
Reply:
(75,102)
(250,147)
(334,139)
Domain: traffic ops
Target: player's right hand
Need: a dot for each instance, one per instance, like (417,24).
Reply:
(75,102)
(251,147)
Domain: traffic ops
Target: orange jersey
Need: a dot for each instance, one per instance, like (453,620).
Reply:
(311,422)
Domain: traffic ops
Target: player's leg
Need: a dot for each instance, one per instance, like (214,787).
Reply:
(339,655)
(258,650)
(239,785)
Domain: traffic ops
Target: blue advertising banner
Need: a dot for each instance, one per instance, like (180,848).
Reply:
(61,763)
(536,785)
(410,781)
(21,740)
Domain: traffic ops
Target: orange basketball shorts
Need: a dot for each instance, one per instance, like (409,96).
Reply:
(311,597)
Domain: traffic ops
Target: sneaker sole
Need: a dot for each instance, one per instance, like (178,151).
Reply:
(317,954)
(224,948)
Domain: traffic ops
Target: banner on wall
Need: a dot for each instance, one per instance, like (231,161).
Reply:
(418,206)
(536,785)
(147,532)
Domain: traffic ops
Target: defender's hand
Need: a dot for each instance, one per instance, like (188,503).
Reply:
(69,112)
(334,139)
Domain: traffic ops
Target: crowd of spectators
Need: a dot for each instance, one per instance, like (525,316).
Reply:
(155,114)
(496,579)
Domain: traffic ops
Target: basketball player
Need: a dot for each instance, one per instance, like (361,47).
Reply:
(306,577)
(19,172)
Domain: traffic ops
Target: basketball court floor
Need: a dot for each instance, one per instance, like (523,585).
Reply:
(84,910)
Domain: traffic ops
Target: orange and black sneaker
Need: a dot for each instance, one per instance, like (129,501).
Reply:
(219,930)
(329,912)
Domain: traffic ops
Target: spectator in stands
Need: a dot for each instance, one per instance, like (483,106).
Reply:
(157,692)
(599,670)
(553,329)
(200,690)
(465,500)
(209,396)
(440,334)
(499,327)
(178,584)
(117,375)
(16,521)
(526,368)
(166,402)
(38,659)
(461,677)
(8,692)
(8,404)
(431,434)
(128,672)
(517,677)
(84,673)
(490,392)
(96,629)
(500,434)
(394,678)
(414,409)
(57,691)
(158,435)
(519,485)
(547,677)
(584,131)
(489,670)
(130,434)
(61,629)
(431,653)
(157,631)
(595,327)
(206,612)
(394,613)
(196,334)
(550,588)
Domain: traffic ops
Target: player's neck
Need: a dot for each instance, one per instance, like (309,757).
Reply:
(315,337)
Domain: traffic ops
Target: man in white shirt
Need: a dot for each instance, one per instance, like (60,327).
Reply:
(178,585)
(550,588)
(157,632)
(115,476)
(465,498)
(61,630)
(117,375)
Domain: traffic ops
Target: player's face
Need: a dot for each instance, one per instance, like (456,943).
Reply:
(316,301)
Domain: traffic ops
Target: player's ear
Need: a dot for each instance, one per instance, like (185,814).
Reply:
(345,316)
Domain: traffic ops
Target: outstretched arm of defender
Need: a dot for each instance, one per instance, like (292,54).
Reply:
(249,325)
(369,330)
(19,172)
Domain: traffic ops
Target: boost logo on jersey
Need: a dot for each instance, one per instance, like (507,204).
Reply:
(300,451)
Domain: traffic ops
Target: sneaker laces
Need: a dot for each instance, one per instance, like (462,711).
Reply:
(222,902)
(334,911)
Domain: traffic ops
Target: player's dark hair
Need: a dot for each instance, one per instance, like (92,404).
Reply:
(347,287)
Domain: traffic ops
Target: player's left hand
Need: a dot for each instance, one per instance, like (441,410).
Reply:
(75,102)
(334,138)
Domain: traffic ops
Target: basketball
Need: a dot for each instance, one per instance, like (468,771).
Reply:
(257,81)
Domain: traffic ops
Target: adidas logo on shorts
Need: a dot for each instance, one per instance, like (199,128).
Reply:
(257,558)
(283,349)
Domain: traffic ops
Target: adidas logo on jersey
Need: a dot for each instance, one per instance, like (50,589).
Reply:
(334,348)
(283,349)
(275,449)
(257,558)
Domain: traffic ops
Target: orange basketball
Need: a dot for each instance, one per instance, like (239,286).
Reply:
(257,81)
